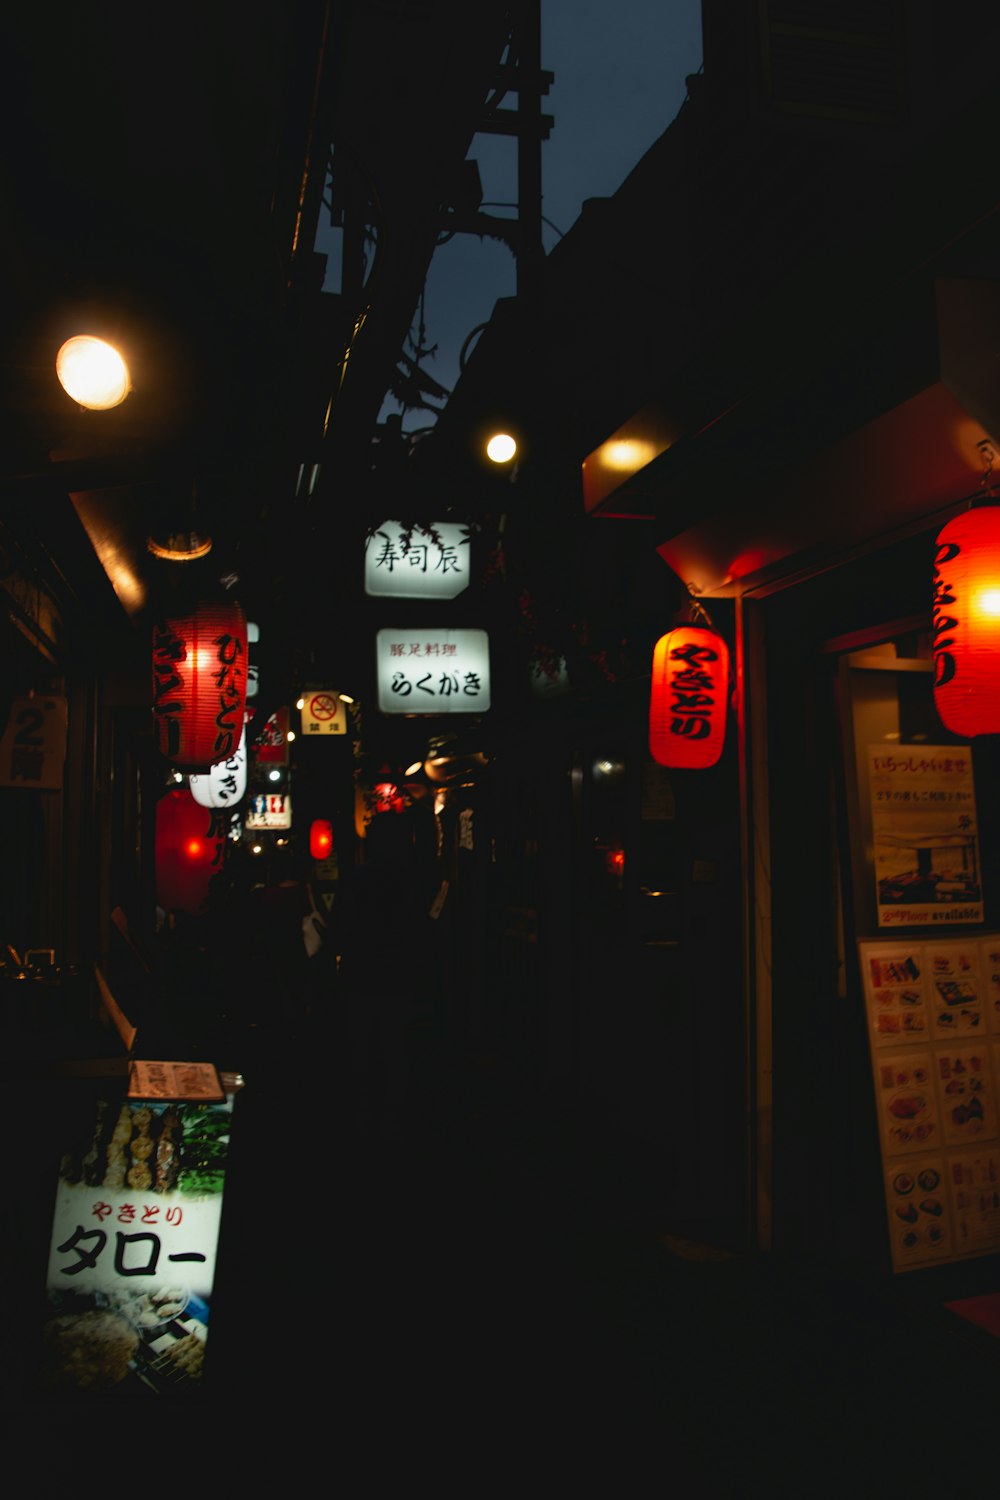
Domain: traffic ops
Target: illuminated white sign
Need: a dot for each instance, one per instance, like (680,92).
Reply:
(427,671)
(132,1253)
(269,810)
(225,783)
(418,563)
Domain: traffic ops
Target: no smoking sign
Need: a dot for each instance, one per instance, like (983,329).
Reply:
(323,713)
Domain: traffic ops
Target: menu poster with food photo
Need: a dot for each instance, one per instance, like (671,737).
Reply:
(989,959)
(907,1105)
(133,1248)
(975,1191)
(925,834)
(957,988)
(942,1099)
(965,1084)
(894,990)
(920,1216)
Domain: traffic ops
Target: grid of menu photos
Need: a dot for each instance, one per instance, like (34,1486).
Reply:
(933,1011)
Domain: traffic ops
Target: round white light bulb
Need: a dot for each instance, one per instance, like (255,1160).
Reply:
(501,448)
(93,372)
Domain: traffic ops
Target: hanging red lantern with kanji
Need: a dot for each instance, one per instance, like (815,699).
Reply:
(967,622)
(199,684)
(688,698)
(190,850)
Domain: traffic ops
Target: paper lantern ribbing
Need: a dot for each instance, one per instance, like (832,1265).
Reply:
(687,702)
(967,622)
(199,684)
(226,783)
(190,849)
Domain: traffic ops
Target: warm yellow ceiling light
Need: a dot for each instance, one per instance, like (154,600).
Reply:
(501,448)
(92,372)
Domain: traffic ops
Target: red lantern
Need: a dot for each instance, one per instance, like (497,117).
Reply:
(321,838)
(967,622)
(190,849)
(687,703)
(199,684)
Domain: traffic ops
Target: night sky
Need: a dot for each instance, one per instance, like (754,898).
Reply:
(619,82)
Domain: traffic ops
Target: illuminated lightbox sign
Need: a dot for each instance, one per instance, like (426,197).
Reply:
(413,563)
(269,810)
(433,671)
(132,1255)
(323,713)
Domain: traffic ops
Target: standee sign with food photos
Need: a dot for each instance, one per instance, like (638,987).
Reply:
(133,1247)
(430,671)
(933,1012)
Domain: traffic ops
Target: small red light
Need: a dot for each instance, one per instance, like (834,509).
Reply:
(320,838)
(615,859)
(193,848)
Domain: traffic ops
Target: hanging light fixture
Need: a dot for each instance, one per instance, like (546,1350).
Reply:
(199,684)
(688,697)
(967,617)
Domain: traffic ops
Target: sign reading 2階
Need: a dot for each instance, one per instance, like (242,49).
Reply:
(427,671)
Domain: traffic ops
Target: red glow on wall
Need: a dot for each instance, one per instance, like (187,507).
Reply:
(199,684)
(967,622)
(688,698)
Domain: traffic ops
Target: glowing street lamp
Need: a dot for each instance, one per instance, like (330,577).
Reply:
(93,372)
(501,448)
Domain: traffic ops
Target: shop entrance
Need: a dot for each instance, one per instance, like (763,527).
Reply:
(851,860)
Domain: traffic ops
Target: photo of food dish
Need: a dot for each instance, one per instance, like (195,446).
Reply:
(99,1344)
(152,1147)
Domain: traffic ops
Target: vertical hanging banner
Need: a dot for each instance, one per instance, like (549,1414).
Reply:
(925,835)
(270,744)
(132,1254)
(33,747)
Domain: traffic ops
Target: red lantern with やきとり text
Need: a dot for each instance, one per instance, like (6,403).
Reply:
(199,684)
(967,622)
(190,849)
(688,698)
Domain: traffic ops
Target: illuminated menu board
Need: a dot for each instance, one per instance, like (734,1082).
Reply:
(133,1247)
(933,1012)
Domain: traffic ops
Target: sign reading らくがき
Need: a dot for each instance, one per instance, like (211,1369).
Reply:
(427,671)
